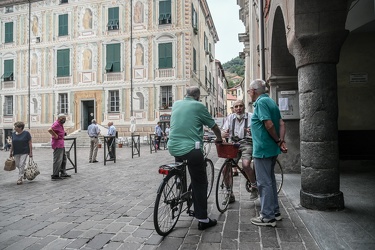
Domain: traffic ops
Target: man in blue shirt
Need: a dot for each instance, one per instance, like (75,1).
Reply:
(268,132)
(186,142)
(158,134)
(93,131)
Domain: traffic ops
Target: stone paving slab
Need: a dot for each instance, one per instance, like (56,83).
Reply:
(111,207)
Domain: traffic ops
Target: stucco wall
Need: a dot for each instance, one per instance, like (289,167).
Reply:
(356,100)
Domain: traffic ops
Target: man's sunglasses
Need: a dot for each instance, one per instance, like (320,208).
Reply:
(238,106)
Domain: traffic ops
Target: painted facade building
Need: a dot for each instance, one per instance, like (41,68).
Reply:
(110,60)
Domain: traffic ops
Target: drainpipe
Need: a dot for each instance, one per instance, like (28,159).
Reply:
(261,45)
(131,58)
(29,94)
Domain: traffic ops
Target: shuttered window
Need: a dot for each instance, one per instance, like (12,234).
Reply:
(8,32)
(63,62)
(165,15)
(113,58)
(8,70)
(63,25)
(165,55)
(113,18)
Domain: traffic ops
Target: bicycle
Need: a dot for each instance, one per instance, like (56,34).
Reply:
(224,184)
(174,190)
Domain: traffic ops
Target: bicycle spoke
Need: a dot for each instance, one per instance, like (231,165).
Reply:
(224,187)
(168,205)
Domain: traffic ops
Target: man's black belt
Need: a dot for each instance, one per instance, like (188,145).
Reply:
(93,136)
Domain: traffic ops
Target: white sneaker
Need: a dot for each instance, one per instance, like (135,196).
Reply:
(259,221)
(278,217)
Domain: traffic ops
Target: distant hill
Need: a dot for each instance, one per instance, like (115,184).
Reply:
(233,68)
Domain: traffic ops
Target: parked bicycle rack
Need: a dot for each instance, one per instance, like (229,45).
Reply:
(109,145)
(136,145)
(67,152)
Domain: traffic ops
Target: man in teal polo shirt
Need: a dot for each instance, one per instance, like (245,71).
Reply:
(268,131)
(186,143)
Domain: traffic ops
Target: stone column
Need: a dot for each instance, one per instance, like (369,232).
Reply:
(317,52)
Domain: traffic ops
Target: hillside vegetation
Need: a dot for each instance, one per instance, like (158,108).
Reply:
(233,68)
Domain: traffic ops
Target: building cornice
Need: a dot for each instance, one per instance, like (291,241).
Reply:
(5,3)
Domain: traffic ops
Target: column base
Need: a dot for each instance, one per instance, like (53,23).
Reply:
(322,202)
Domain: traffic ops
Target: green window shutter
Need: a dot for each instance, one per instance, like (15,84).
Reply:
(165,55)
(113,58)
(165,11)
(113,16)
(67,62)
(63,25)
(9,32)
(116,58)
(8,68)
(162,63)
(63,63)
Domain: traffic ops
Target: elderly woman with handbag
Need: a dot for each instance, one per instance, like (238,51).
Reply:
(21,148)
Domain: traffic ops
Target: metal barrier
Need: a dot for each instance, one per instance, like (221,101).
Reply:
(136,145)
(110,145)
(67,153)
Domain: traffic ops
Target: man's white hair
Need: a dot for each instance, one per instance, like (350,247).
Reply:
(259,85)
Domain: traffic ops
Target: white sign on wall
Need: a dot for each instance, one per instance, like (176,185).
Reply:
(358,78)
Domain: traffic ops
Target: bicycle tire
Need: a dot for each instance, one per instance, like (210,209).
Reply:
(210,169)
(223,191)
(168,205)
(279,176)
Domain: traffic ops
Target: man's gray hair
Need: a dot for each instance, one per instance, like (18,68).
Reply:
(61,115)
(258,85)
(194,92)
(93,121)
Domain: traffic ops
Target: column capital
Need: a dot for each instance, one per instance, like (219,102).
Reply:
(317,48)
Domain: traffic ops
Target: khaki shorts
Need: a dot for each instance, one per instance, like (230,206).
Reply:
(245,151)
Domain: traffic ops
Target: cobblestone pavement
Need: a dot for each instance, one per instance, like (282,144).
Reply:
(111,207)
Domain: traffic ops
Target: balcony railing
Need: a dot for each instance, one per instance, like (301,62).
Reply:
(8,84)
(63,80)
(165,73)
(111,77)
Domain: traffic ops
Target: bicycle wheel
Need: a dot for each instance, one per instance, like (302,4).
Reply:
(224,187)
(168,205)
(210,175)
(279,175)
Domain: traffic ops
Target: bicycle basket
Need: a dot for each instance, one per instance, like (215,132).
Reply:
(227,150)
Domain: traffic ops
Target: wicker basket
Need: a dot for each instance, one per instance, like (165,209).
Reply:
(227,150)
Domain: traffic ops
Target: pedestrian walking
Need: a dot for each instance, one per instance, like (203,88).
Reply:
(158,134)
(59,156)
(268,133)
(93,131)
(166,132)
(111,141)
(186,142)
(21,148)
